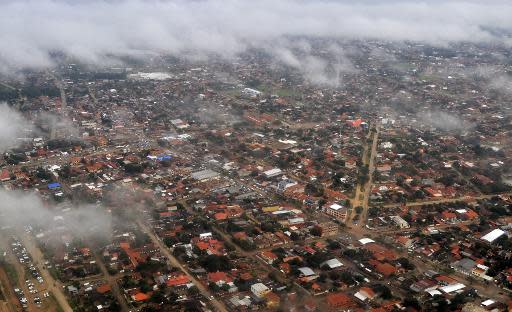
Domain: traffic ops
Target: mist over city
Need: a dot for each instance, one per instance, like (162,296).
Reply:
(236,155)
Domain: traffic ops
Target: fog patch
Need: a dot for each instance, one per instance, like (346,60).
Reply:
(13,127)
(19,209)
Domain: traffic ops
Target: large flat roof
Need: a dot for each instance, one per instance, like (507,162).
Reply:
(493,235)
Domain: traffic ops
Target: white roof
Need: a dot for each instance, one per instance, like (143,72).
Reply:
(278,212)
(335,206)
(272,172)
(295,220)
(333,263)
(250,90)
(453,287)
(493,235)
(488,302)
(204,174)
(360,296)
(365,241)
(292,142)
(306,271)
(259,287)
(433,292)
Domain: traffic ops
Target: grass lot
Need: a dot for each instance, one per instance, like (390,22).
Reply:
(231,92)
(283,92)
(404,66)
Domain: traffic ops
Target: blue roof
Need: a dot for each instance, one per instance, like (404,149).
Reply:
(54,185)
(164,157)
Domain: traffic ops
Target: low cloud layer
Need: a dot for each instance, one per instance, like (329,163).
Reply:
(324,68)
(19,209)
(13,127)
(97,31)
(443,121)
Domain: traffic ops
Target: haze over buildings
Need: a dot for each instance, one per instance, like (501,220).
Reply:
(292,155)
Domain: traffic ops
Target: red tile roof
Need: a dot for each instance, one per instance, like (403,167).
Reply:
(178,281)
(103,289)
(219,276)
(140,297)
(340,300)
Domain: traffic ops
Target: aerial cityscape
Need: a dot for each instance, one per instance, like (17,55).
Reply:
(288,155)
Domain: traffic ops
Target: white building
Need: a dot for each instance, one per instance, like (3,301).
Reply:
(332,263)
(400,222)
(493,235)
(205,175)
(272,172)
(337,211)
(251,92)
(259,290)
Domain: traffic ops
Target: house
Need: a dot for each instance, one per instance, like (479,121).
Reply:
(449,216)
(273,173)
(259,290)
(284,184)
(240,301)
(328,229)
(332,264)
(176,281)
(385,269)
(466,214)
(452,288)
(380,253)
(140,297)
(404,241)
(72,289)
(269,257)
(54,186)
(307,274)
(480,271)
(251,92)
(464,266)
(219,278)
(365,294)
(340,301)
(285,268)
(103,289)
(5,175)
(401,223)
(422,285)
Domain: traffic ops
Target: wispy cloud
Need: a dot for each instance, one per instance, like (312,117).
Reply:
(94,31)
(19,209)
(13,126)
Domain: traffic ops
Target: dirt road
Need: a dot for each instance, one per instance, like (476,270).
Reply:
(54,286)
(219,306)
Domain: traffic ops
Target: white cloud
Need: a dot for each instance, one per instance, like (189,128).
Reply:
(18,209)
(92,30)
(12,127)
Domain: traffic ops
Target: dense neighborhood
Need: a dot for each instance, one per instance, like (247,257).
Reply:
(241,186)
